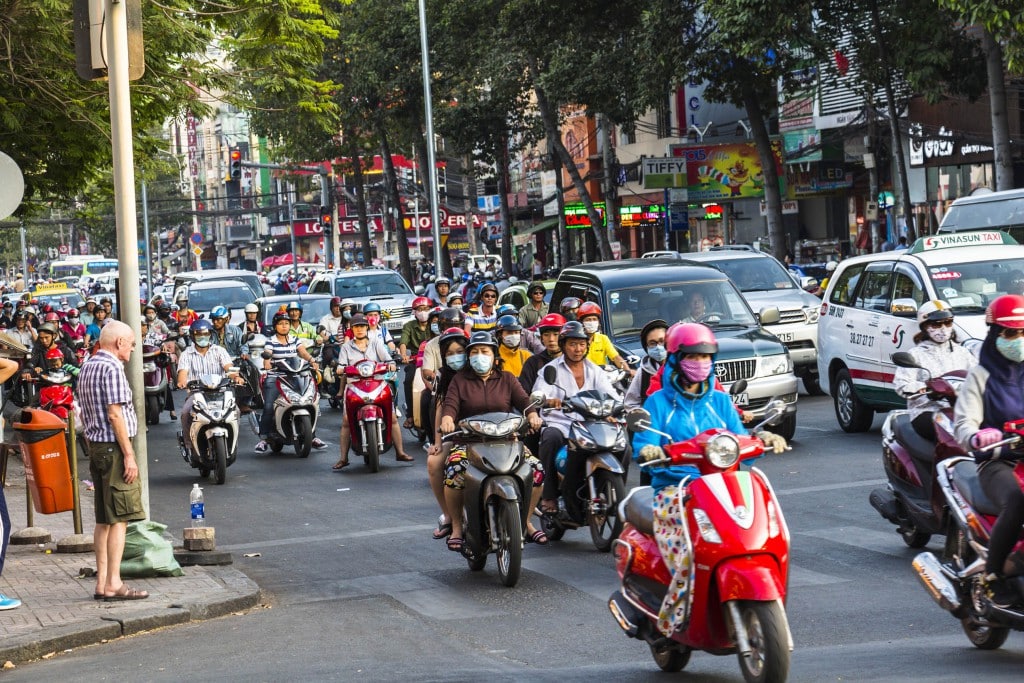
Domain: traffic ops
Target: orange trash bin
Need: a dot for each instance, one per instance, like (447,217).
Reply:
(45,452)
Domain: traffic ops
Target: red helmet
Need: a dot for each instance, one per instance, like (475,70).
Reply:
(52,317)
(420,301)
(588,308)
(1006,311)
(551,322)
(54,353)
(691,338)
(335,301)
(450,335)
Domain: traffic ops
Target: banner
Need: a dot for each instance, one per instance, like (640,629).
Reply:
(729,171)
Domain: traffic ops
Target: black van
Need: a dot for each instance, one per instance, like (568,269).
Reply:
(631,293)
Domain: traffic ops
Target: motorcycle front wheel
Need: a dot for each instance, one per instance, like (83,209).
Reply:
(606,526)
(372,448)
(303,428)
(510,541)
(219,450)
(152,409)
(765,626)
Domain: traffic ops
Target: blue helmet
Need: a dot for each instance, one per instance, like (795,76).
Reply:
(220,312)
(294,305)
(201,325)
(371,308)
(507,309)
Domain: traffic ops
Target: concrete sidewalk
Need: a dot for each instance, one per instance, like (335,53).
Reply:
(58,610)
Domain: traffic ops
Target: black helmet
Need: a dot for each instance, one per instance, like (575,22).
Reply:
(508,323)
(435,313)
(650,327)
(534,286)
(279,316)
(571,330)
(487,287)
(568,307)
(482,339)
(452,317)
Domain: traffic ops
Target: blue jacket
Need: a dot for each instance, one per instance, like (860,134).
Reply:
(683,418)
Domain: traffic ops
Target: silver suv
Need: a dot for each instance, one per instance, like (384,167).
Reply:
(379,285)
(763,281)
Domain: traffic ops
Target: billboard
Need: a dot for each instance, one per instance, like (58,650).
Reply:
(729,171)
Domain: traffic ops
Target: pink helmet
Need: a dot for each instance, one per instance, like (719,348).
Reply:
(690,338)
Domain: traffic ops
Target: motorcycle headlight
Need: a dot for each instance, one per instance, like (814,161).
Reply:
(777,364)
(812,313)
(722,451)
(599,407)
(365,369)
(292,396)
(707,530)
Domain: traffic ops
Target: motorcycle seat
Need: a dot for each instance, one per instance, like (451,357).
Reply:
(638,509)
(920,448)
(965,479)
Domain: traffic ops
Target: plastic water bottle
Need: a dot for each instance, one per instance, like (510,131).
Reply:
(196,505)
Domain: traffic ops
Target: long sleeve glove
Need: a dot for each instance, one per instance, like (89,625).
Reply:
(773,442)
(651,452)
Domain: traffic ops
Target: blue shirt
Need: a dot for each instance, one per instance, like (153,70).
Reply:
(683,418)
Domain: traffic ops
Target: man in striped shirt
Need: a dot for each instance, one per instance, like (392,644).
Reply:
(110,425)
(282,344)
(203,357)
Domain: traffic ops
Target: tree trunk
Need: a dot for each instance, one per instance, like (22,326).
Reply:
(772,196)
(364,221)
(611,204)
(394,214)
(506,216)
(997,103)
(561,234)
(550,120)
(469,199)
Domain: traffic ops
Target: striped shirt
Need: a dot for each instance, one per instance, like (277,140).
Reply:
(350,354)
(483,322)
(283,349)
(101,383)
(198,364)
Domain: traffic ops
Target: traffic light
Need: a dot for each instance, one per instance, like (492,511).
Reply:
(235,164)
(325,216)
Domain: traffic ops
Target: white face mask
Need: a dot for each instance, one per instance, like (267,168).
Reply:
(591,326)
(422,316)
(511,340)
(940,335)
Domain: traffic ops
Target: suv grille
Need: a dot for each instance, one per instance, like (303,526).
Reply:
(732,370)
(791,316)
(400,312)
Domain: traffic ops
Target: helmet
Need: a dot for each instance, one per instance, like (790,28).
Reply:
(487,287)
(534,286)
(182,296)
(252,308)
(420,301)
(294,306)
(52,317)
(164,308)
(48,328)
(450,335)
(47,308)
(200,325)
(571,330)
(335,301)
(54,353)
(443,281)
(73,313)
(588,308)
(452,317)
(650,327)
(691,338)
(1006,311)
(279,316)
(482,339)
(568,307)
(220,312)
(453,296)
(506,309)
(358,319)
(830,266)
(147,307)
(508,323)
(934,311)
(348,302)
(552,321)
(371,307)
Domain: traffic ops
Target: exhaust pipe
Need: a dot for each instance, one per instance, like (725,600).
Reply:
(929,571)
(884,501)
(627,616)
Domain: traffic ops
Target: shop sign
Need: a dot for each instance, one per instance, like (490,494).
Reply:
(728,171)
(944,150)
(577,218)
(663,172)
(650,216)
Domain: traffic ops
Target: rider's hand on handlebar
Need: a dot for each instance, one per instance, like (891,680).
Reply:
(651,452)
(773,442)
(986,437)
(447,425)
(555,403)
(535,422)
(392,367)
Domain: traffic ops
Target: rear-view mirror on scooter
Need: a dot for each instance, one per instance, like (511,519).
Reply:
(738,387)
(773,412)
(638,419)
(537,399)
(267,355)
(904,360)
(550,374)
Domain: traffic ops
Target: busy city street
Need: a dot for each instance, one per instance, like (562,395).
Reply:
(354,588)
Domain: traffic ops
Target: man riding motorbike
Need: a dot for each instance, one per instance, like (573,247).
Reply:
(228,336)
(251,324)
(200,358)
(548,329)
(298,327)
(414,333)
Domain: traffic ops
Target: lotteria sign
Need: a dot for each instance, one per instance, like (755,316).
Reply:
(422,221)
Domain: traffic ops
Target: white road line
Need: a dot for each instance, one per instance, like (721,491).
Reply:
(830,487)
(885,542)
(256,545)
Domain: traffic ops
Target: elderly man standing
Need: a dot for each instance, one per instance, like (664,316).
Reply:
(110,425)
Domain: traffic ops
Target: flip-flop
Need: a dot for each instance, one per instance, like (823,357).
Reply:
(126,593)
(339,466)
(454,544)
(443,530)
(538,537)
(405,457)
(98,596)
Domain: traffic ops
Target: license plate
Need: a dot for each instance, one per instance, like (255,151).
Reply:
(740,399)
(395,324)
(785,336)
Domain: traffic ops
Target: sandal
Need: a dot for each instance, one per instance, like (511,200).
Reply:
(443,530)
(538,537)
(549,507)
(455,544)
(126,593)
(404,457)
(340,465)
(408,424)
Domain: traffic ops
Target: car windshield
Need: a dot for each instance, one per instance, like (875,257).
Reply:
(235,296)
(970,287)
(312,309)
(371,284)
(715,303)
(74,299)
(756,274)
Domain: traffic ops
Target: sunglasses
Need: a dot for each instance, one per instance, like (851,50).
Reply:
(489,296)
(1011,332)
(940,323)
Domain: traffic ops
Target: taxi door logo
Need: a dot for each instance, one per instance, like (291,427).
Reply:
(897,336)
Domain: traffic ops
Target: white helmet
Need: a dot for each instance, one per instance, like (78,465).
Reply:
(252,308)
(934,311)
(830,266)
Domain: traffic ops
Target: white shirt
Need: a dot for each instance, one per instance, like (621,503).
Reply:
(564,388)
(331,324)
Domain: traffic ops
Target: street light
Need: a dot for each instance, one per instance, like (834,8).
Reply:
(428,106)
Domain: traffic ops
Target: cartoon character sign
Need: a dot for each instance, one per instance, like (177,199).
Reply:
(727,171)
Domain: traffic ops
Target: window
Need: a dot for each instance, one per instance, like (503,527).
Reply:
(906,286)
(873,294)
(377,284)
(846,285)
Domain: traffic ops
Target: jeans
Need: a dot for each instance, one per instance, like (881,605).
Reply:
(5,529)
(1000,484)
(410,375)
(270,394)
(551,440)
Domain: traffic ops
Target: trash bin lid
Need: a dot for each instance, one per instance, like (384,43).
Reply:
(33,419)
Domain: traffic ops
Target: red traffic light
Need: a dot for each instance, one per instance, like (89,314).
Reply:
(236,155)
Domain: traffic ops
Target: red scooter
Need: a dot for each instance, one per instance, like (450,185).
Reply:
(369,404)
(738,545)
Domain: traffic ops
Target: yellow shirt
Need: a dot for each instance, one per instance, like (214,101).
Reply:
(512,360)
(602,351)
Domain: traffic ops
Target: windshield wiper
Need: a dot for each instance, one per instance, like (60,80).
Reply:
(628,330)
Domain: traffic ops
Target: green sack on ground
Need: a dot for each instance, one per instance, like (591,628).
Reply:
(147,553)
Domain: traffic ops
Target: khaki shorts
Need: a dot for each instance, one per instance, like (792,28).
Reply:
(116,501)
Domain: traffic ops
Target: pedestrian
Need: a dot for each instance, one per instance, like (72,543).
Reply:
(110,425)
(8,368)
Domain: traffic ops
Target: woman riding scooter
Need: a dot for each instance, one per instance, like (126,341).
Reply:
(686,405)
(937,352)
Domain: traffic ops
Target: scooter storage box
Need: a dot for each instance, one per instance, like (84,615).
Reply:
(44,451)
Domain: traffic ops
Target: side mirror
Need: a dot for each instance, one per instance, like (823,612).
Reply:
(905,308)
(738,387)
(638,419)
(418,290)
(537,398)
(550,374)
(267,355)
(904,360)
(769,315)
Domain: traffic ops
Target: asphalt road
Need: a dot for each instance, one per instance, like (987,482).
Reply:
(356,589)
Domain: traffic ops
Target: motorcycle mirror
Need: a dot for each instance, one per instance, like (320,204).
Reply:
(538,398)
(904,360)
(774,411)
(638,419)
(550,374)
(267,355)
(738,387)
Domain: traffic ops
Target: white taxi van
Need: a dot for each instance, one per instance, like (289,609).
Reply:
(869,311)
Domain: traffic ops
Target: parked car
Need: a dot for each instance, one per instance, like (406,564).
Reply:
(633,292)
(383,286)
(251,279)
(988,211)
(870,306)
(763,281)
(204,296)
(287,270)
(314,306)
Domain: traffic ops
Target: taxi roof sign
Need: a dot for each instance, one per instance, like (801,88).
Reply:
(55,287)
(974,238)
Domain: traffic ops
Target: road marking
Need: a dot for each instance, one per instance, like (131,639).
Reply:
(799,577)
(830,487)
(365,533)
(885,542)
(600,584)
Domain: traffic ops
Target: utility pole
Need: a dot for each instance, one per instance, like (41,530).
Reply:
(611,208)
(145,232)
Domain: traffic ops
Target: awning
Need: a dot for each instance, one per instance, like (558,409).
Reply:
(522,236)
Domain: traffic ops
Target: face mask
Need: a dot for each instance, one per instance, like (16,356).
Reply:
(346,314)
(372,319)
(695,370)
(511,341)
(658,354)
(940,335)
(591,326)
(203,342)
(151,317)
(481,364)
(73,321)
(422,316)
(456,362)
(435,328)
(1012,349)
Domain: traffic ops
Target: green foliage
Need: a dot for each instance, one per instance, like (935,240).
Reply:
(1004,19)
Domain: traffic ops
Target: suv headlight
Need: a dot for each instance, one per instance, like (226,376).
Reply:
(778,364)
(811,313)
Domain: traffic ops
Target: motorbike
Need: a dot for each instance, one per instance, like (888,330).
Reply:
(297,407)
(911,500)
(499,481)
(54,392)
(212,441)
(956,582)
(739,547)
(602,443)
(154,377)
(369,404)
